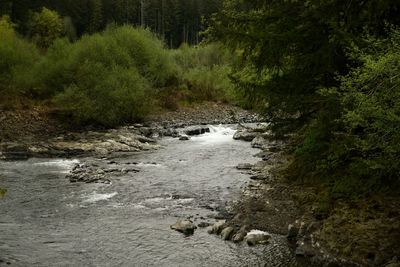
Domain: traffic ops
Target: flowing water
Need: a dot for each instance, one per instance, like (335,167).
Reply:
(47,221)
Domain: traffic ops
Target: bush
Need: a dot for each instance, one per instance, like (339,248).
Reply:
(209,83)
(210,55)
(17,56)
(204,71)
(119,96)
(105,78)
(146,52)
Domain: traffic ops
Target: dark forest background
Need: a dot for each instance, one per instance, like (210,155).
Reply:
(175,21)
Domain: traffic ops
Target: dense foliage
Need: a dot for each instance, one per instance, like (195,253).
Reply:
(106,77)
(113,77)
(365,147)
(301,58)
(204,72)
(16,58)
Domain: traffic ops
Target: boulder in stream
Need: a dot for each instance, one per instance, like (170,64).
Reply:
(197,130)
(255,237)
(227,233)
(184,226)
(245,135)
(184,138)
(217,227)
(239,236)
(259,142)
(244,166)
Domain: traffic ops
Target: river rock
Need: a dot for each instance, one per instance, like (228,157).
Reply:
(260,177)
(259,142)
(197,130)
(255,237)
(217,227)
(305,250)
(184,138)
(171,132)
(15,151)
(227,233)
(392,265)
(245,135)
(203,224)
(184,226)
(144,139)
(293,230)
(239,236)
(244,166)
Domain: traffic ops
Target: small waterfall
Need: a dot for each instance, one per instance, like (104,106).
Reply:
(217,134)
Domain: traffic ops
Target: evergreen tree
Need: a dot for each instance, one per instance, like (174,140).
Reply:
(96,16)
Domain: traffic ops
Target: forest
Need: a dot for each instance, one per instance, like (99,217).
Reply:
(325,74)
(174,21)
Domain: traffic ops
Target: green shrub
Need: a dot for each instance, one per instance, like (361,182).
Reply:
(106,77)
(204,71)
(146,52)
(17,57)
(210,55)
(209,83)
(119,96)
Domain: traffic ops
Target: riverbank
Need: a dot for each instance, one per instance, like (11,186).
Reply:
(359,232)
(40,132)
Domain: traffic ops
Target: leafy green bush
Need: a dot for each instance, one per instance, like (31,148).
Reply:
(204,71)
(17,56)
(107,77)
(119,96)
(146,52)
(210,55)
(209,83)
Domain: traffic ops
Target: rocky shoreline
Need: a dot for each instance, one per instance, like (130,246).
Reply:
(35,133)
(349,236)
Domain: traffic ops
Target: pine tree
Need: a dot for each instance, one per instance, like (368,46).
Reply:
(96,16)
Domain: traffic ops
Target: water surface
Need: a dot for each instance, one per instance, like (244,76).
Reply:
(48,221)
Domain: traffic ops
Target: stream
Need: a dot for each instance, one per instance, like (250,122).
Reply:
(47,221)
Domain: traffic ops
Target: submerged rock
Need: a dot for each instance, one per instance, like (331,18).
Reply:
(184,226)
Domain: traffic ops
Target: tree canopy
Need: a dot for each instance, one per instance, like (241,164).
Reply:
(296,54)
